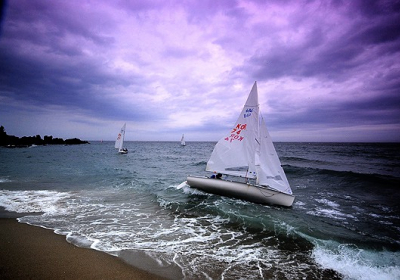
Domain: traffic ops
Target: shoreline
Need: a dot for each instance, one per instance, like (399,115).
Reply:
(31,252)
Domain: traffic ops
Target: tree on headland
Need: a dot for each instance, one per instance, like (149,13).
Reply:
(3,136)
(26,141)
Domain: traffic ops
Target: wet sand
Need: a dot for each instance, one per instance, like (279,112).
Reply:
(29,252)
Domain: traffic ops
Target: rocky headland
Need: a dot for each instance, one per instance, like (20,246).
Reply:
(12,141)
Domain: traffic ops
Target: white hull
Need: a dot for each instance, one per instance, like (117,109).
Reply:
(257,194)
(122,151)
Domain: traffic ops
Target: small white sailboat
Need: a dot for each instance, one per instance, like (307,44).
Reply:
(248,154)
(183,143)
(119,143)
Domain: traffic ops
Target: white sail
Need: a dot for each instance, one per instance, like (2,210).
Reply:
(269,169)
(234,154)
(247,151)
(183,143)
(120,139)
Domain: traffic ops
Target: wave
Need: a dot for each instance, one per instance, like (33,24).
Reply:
(200,163)
(193,225)
(4,180)
(35,201)
(349,176)
(302,160)
(355,263)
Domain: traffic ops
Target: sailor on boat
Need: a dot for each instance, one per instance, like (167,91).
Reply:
(218,176)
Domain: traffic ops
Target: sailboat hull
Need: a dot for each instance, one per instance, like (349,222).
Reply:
(257,194)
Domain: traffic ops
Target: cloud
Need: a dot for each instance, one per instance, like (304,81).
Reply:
(329,46)
(169,68)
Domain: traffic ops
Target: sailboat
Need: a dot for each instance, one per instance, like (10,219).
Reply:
(248,156)
(183,143)
(119,143)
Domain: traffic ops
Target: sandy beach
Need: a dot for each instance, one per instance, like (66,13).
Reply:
(29,252)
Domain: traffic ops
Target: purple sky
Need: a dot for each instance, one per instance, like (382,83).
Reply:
(326,70)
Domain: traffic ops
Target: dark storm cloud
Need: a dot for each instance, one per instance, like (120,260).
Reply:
(40,66)
(365,40)
(40,82)
(364,49)
(46,21)
(174,67)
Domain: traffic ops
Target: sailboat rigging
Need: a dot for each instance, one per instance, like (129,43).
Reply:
(247,152)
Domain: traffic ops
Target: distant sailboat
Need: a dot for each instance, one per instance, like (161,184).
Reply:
(119,143)
(247,151)
(183,143)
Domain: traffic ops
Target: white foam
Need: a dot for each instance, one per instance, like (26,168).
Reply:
(44,201)
(189,190)
(328,202)
(331,213)
(355,263)
(300,204)
(181,185)
(4,180)
(330,209)
(93,221)
(79,241)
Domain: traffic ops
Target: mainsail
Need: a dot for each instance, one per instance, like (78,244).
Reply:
(234,154)
(120,139)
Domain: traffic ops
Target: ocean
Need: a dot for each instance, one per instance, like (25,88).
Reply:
(344,223)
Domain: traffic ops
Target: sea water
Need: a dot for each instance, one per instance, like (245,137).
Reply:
(344,223)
